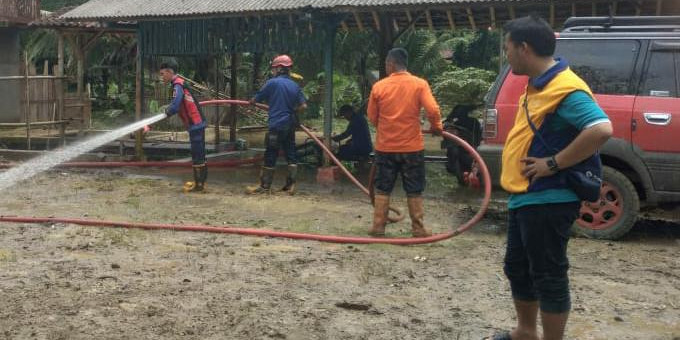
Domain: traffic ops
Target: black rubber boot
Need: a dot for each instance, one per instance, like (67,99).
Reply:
(200,174)
(291,179)
(266,177)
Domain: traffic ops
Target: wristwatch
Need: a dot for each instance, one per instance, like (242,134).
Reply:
(552,164)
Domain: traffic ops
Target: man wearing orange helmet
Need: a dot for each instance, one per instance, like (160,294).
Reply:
(285,100)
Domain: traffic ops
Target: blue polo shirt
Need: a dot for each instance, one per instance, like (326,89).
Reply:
(283,96)
(576,110)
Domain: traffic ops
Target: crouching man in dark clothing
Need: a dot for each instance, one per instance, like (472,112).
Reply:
(359,145)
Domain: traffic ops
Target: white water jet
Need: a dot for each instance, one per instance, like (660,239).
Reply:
(53,158)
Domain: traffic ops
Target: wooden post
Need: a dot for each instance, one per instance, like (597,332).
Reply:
(233,92)
(80,67)
(139,96)
(357,18)
(27,113)
(59,85)
(659,6)
(376,20)
(471,18)
(452,22)
(386,42)
(216,85)
(329,47)
(552,14)
(428,18)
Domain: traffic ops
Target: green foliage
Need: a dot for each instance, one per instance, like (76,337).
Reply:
(478,49)
(345,90)
(462,86)
(424,48)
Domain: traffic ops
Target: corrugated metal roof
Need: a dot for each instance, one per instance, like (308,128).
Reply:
(136,9)
(53,19)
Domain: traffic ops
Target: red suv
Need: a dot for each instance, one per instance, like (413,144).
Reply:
(632,64)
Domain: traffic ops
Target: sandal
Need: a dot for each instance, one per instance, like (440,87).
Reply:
(499,336)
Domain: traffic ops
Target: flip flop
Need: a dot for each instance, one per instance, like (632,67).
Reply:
(499,336)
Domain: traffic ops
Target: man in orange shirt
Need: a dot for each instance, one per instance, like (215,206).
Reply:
(394,108)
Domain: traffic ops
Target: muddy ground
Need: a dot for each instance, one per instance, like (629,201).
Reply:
(71,282)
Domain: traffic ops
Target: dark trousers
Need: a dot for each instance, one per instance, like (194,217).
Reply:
(536,255)
(276,140)
(197,139)
(348,152)
(410,165)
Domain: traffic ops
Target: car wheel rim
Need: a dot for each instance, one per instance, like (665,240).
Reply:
(604,213)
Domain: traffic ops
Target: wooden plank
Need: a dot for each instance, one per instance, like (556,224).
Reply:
(357,18)
(492,15)
(428,17)
(471,18)
(408,16)
(511,9)
(593,9)
(344,26)
(452,23)
(552,14)
(395,24)
(29,77)
(659,6)
(573,9)
(614,8)
(42,123)
(376,20)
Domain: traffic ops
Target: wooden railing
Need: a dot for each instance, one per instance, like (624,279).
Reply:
(19,11)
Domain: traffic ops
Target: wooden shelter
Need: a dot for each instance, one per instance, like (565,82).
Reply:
(196,27)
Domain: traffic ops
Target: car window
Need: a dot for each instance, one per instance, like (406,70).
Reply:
(606,65)
(660,78)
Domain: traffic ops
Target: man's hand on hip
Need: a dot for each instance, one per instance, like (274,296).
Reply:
(536,168)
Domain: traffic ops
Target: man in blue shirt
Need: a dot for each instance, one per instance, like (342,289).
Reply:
(285,100)
(359,145)
(557,109)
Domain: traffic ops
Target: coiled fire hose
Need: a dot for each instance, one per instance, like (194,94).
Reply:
(291,235)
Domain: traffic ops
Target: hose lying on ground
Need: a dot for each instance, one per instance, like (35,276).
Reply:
(292,235)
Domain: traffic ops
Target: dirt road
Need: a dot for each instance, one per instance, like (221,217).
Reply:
(69,282)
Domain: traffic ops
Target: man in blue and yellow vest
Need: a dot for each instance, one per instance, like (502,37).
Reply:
(184,104)
(542,207)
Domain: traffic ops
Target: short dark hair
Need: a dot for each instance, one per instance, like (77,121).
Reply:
(534,31)
(399,56)
(169,65)
(346,109)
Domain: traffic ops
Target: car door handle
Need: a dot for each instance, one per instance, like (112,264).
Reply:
(655,118)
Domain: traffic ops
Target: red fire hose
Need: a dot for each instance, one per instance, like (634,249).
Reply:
(300,236)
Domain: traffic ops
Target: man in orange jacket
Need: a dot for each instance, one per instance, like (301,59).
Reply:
(394,109)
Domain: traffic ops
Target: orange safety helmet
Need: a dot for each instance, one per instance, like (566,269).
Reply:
(282,61)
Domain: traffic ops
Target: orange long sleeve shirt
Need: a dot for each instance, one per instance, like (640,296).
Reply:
(394,108)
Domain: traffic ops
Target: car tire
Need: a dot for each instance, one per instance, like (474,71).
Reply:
(614,214)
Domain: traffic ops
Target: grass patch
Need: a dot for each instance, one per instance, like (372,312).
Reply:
(7,256)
